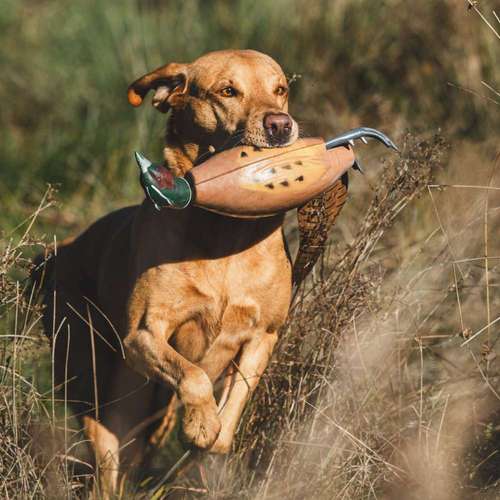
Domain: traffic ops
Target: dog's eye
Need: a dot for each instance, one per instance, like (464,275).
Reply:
(228,92)
(281,90)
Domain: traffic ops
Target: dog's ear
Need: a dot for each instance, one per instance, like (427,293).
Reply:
(170,83)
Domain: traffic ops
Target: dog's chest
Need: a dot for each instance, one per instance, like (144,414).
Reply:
(234,296)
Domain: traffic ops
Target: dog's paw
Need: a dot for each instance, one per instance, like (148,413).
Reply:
(201,425)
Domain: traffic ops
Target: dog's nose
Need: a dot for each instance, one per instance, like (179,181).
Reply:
(278,126)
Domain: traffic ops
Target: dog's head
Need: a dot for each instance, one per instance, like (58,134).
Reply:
(222,99)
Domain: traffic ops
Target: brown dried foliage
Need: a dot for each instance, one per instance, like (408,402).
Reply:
(306,351)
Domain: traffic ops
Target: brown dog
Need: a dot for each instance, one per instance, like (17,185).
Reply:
(149,304)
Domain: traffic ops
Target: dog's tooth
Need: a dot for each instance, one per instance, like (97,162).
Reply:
(211,149)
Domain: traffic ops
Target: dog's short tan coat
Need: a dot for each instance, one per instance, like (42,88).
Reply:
(186,294)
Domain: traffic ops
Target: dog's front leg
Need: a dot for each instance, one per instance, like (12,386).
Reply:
(255,356)
(148,352)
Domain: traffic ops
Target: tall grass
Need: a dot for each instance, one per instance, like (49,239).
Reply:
(385,381)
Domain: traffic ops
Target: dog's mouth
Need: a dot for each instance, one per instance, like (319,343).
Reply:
(256,136)
(261,141)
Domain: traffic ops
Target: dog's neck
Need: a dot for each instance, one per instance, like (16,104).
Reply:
(182,154)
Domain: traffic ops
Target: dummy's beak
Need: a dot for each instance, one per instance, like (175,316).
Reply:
(142,161)
(361,133)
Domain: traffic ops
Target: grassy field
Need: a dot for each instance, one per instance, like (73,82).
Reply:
(385,383)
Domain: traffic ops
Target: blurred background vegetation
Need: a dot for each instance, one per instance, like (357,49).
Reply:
(66,66)
(426,67)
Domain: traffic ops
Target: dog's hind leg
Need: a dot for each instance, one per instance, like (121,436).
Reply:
(106,447)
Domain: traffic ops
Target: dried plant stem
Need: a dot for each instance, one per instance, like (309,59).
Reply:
(473,5)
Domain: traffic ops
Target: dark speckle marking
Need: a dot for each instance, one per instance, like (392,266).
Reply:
(300,178)
(256,148)
(243,154)
(284,183)
(270,186)
(272,170)
(286,167)
(298,162)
